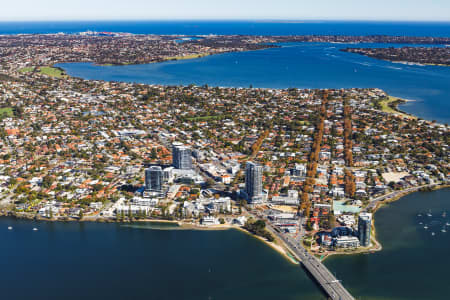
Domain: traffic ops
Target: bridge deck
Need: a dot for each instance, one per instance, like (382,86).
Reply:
(323,276)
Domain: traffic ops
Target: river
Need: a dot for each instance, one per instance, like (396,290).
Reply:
(301,65)
(414,263)
(154,261)
(144,261)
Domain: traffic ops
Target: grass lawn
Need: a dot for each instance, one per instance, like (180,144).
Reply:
(26,70)
(50,71)
(385,106)
(7,110)
(192,56)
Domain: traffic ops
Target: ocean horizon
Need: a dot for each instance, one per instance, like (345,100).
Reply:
(229,27)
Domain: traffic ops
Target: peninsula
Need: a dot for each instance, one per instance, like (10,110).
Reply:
(415,55)
(31,50)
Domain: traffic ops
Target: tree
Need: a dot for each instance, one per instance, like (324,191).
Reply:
(309,225)
(350,185)
(47,181)
(209,183)
(331,220)
(153,154)
(13,181)
(259,228)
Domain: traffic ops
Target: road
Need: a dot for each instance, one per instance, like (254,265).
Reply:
(323,276)
(333,287)
(374,202)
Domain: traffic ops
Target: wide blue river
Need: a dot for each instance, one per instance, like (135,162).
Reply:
(301,65)
(149,261)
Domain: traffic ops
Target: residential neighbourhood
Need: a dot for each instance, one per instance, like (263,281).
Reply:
(312,162)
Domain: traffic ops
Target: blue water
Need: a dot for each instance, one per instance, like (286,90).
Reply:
(414,263)
(235,27)
(92,261)
(301,65)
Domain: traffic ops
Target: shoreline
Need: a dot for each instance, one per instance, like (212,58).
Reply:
(378,246)
(278,246)
(281,248)
(390,106)
(163,60)
(410,63)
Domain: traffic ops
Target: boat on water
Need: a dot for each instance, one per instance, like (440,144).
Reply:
(447,224)
(419,215)
(433,233)
(425,227)
(420,223)
(444,214)
(35,229)
(429,213)
(443,229)
(10,228)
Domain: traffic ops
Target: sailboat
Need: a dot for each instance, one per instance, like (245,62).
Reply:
(10,228)
(429,213)
(443,229)
(425,227)
(433,233)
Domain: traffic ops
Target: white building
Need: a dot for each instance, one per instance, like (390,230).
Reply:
(240,220)
(49,210)
(221,204)
(210,220)
(96,205)
(290,199)
(135,209)
(346,242)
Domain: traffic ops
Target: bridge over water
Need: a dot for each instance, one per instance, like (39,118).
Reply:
(333,287)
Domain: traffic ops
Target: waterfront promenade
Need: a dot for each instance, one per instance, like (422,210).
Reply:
(375,201)
(333,287)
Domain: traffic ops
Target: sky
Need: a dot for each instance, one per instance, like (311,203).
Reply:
(52,10)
